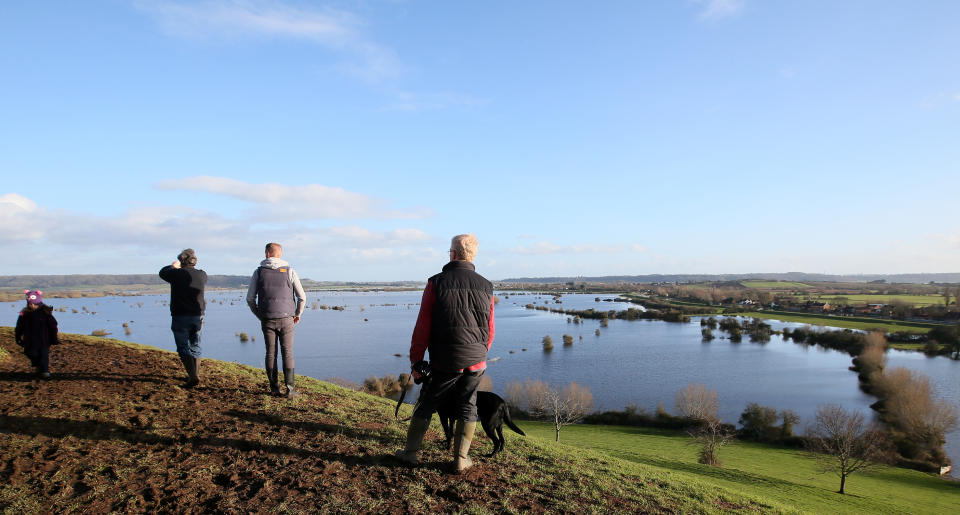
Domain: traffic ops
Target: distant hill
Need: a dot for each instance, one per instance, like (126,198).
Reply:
(787,276)
(102,281)
(81,281)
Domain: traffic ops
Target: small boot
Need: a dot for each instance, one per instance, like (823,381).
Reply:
(288,378)
(274,381)
(188,368)
(418,428)
(463,437)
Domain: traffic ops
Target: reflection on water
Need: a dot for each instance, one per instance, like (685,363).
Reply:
(642,363)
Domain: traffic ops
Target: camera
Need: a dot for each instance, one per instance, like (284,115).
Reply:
(423,369)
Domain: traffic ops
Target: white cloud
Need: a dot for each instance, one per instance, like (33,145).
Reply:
(719,9)
(362,235)
(335,30)
(284,202)
(19,218)
(62,241)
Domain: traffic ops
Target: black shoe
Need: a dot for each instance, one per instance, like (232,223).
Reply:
(274,382)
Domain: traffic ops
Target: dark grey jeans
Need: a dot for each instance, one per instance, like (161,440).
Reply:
(457,388)
(278,331)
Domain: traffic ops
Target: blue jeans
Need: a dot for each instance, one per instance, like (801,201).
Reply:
(186,332)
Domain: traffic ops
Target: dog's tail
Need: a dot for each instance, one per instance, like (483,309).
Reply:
(509,420)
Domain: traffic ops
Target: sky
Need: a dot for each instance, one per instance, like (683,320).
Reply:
(574,139)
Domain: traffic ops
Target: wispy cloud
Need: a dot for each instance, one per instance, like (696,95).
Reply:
(292,202)
(337,31)
(545,247)
(712,10)
(130,242)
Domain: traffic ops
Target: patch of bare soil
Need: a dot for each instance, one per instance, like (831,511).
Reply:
(115,430)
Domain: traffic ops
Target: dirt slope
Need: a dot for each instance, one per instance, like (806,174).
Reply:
(115,431)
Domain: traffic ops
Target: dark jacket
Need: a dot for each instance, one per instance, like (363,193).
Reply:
(186,289)
(36,329)
(456,321)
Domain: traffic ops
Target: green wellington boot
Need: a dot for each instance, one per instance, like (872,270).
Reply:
(416,431)
(463,437)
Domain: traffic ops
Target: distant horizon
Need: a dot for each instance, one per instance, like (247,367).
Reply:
(221,280)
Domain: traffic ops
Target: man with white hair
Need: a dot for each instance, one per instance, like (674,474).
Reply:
(456,326)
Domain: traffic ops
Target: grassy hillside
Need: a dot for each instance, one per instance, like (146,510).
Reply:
(114,431)
(783,476)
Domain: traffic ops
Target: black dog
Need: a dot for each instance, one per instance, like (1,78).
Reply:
(493,413)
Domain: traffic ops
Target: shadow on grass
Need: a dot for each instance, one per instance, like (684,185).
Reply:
(737,476)
(26,377)
(104,431)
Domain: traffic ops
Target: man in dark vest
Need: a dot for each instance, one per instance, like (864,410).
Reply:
(276,297)
(187,305)
(456,326)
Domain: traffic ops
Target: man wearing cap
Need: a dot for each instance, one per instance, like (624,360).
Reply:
(456,326)
(187,305)
(276,297)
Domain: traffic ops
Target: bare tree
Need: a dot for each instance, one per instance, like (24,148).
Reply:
(563,407)
(843,442)
(711,435)
(536,396)
(697,402)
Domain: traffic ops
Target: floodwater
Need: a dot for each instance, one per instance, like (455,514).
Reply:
(641,363)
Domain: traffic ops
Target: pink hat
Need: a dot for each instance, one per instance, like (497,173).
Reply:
(34,296)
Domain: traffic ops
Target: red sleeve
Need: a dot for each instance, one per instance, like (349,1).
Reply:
(421,333)
(492,328)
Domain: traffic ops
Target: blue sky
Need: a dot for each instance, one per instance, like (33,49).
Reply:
(683,136)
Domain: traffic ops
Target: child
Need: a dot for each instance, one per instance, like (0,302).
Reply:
(36,331)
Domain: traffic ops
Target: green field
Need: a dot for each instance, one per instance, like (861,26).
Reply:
(890,326)
(784,476)
(870,298)
(773,285)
